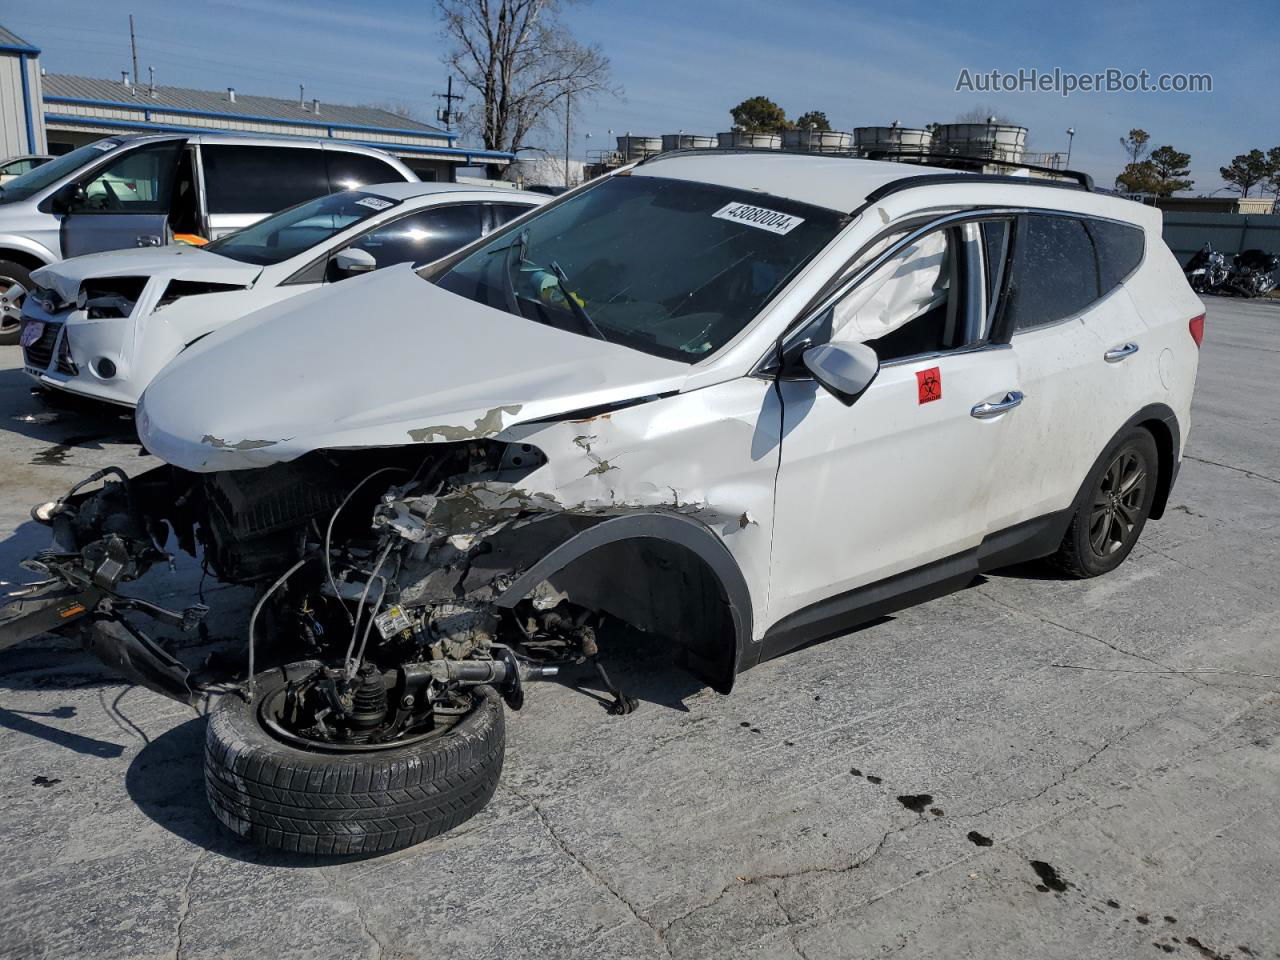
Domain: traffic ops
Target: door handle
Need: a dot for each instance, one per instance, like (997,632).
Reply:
(986,410)
(149,240)
(1116,354)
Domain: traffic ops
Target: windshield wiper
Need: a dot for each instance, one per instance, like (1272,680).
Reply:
(578,309)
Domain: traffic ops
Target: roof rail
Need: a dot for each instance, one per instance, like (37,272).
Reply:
(1079,178)
(932,179)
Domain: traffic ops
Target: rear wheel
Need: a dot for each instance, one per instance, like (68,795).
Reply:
(1110,516)
(274,791)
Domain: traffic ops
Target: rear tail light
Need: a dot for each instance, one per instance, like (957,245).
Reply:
(1196,326)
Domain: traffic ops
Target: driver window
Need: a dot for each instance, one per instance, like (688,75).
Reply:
(140,181)
(917,302)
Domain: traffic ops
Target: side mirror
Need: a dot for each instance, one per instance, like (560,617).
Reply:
(353,260)
(844,370)
(69,197)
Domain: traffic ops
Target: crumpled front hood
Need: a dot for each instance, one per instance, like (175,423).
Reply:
(176,262)
(381,360)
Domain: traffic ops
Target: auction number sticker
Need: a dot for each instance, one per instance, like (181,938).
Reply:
(762,218)
(374,203)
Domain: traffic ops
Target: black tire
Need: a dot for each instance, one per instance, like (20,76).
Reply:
(1088,550)
(282,796)
(11,272)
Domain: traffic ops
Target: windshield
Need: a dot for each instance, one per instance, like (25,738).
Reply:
(299,228)
(33,181)
(669,267)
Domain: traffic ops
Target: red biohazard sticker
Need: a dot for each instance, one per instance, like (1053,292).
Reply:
(930,384)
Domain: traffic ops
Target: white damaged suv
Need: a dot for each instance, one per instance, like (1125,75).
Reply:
(738,400)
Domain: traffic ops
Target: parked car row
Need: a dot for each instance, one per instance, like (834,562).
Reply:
(741,401)
(16,166)
(103,326)
(149,190)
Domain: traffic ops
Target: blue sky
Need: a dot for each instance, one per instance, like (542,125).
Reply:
(683,64)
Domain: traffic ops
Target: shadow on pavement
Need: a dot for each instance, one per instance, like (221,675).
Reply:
(61,419)
(641,665)
(166,781)
(19,722)
(1031,570)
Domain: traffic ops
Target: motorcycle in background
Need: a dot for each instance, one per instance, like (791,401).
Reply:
(1253,273)
(1207,270)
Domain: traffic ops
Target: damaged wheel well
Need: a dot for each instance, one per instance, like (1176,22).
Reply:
(664,573)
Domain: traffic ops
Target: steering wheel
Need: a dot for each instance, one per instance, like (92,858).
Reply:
(112,200)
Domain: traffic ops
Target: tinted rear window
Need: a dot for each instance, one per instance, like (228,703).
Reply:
(244,179)
(349,171)
(1054,272)
(1119,249)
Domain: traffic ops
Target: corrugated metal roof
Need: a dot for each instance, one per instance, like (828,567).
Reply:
(217,101)
(10,39)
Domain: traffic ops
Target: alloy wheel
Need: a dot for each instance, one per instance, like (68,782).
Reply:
(1117,504)
(11,311)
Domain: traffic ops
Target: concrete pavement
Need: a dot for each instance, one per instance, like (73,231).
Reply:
(1028,768)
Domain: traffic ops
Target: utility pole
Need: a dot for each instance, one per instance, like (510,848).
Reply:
(448,114)
(133,46)
(568,99)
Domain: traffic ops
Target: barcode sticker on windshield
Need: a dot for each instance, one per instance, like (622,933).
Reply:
(374,203)
(759,217)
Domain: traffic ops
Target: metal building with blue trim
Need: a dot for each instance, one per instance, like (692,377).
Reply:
(54,113)
(22,128)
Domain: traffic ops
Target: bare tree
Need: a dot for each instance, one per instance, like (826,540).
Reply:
(983,113)
(1136,145)
(520,61)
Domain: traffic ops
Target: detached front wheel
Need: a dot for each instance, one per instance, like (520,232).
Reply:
(276,791)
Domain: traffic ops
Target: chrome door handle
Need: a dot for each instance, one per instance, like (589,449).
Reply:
(986,410)
(149,240)
(1116,354)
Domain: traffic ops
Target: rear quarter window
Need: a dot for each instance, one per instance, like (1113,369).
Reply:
(246,179)
(1120,249)
(347,170)
(1054,272)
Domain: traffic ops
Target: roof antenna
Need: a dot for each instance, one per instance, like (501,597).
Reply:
(151,80)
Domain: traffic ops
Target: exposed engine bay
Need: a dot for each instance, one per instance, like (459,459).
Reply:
(385,578)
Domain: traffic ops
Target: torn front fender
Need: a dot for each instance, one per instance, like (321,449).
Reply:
(668,528)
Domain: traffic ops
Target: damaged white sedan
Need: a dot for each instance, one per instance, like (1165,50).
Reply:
(101,326)
(740,401)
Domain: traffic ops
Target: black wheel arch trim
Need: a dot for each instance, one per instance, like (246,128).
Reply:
(674,528)
(1168,446)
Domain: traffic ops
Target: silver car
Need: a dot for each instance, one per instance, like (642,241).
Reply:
(148,190)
